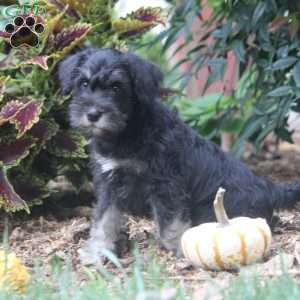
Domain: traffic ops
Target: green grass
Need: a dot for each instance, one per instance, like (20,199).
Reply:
(146,280)
(142,281)
(251,287)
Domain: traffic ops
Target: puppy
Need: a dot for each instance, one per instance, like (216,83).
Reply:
(144,159)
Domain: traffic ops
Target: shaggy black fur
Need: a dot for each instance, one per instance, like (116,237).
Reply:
(145,159)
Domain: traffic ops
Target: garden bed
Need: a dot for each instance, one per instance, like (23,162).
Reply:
(56,235)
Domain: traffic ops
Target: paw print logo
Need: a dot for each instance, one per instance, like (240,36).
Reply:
(25,31)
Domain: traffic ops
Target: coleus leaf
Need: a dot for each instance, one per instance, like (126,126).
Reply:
(22,115)
(43,131)
(40,61)
(9,110)
(69,38)
(67,144)
(68,10)
(131,28)
(9,62)
(50,27)
(27,116)
(138,22)
(150,14)
(12,153)
(32,189)
(277,23)
(4,34)
(3,81)
(75,7)
(9,199)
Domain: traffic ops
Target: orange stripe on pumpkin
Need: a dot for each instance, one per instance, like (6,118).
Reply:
(243,250)
(217,255)
(265,238)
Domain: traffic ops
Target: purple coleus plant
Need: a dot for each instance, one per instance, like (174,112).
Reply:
(36,143)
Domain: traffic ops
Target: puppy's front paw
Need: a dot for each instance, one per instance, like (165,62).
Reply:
(91,254)
(176,251)
(89,258)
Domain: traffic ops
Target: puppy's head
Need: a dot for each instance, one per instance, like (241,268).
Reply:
(106,87)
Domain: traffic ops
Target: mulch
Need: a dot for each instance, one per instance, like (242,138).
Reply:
(45,237)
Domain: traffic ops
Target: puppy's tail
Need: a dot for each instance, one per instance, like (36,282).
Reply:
(286,196)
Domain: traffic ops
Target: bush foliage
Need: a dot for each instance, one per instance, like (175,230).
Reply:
(36,143)
(264,37)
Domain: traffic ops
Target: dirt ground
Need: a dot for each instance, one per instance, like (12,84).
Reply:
(54,234)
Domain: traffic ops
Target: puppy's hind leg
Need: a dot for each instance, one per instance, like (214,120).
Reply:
(170,228)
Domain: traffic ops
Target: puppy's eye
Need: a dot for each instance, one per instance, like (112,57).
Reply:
(84,83)
(116,87)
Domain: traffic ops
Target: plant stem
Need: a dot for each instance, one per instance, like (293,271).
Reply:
(220,212)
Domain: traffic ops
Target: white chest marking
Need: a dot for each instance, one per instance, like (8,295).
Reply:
(107,163)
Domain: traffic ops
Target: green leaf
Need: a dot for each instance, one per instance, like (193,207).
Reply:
(223,32)
(263,33)
(253,124)
(171,38)
(296,74)
(264,132)
(258,12)
(179,63)
(233,126)
(218,68)
(68,144)
(210,102)
(284,134)
(281,91)
(239,50)
(284,63)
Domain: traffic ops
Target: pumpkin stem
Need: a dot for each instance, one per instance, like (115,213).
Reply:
(220,212)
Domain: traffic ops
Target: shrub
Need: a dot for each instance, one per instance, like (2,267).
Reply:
(36,143)
(264,37)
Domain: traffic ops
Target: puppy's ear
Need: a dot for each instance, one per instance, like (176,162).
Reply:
(67,70)
(147,77)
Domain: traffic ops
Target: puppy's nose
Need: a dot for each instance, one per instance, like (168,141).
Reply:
(94,116)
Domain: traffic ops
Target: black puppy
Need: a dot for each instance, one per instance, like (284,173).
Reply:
(145,159)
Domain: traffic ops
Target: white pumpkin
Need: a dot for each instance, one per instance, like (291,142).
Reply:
(226,244)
